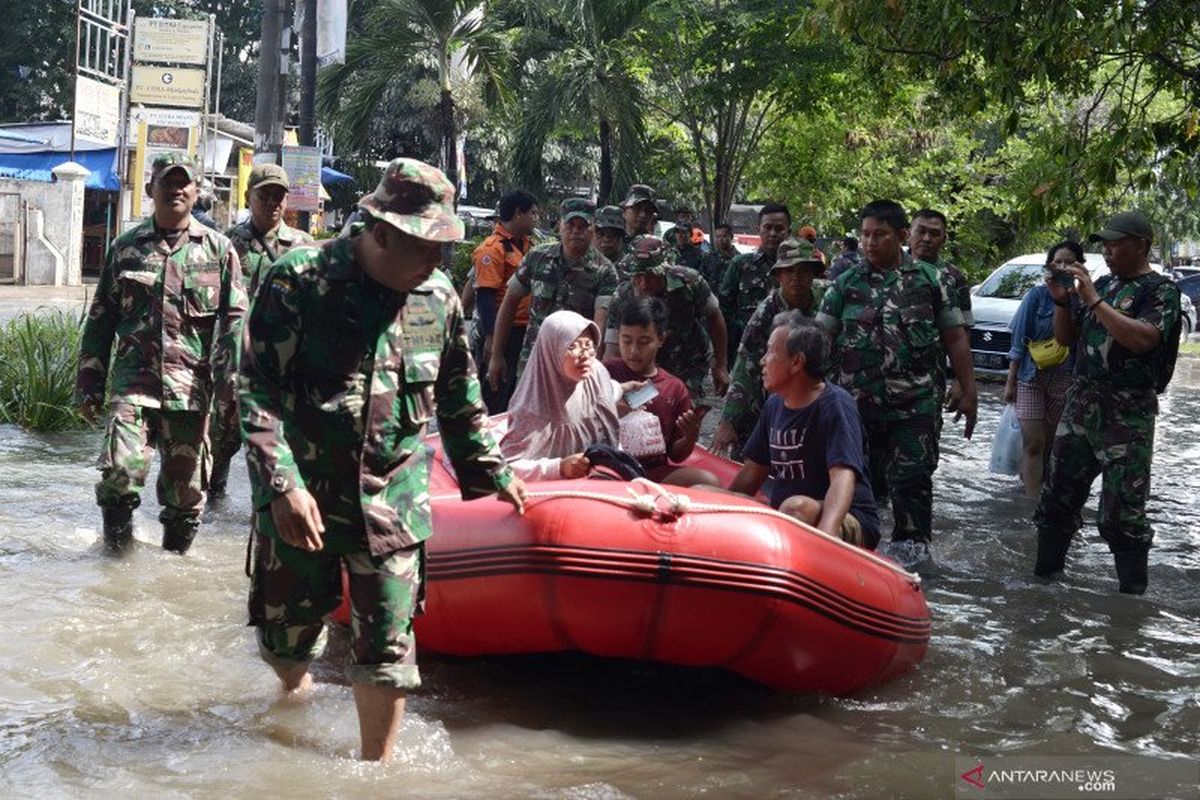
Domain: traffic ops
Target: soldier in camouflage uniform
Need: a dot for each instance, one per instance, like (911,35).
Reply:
(1123,328)
(640,210)
(171,293)
(796,270)
(566,275)
(350,350)
(686,253)
(925,244)
(714,264)
(610,234)
(259,241)
(692,312)
(746,281)
(892,320)
(849,257)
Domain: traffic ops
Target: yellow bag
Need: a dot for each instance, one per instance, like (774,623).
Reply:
(1048,353)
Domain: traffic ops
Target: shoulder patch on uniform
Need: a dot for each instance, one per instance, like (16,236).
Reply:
(1126,303)
(486,260)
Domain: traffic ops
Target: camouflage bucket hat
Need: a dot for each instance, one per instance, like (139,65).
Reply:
(795,251)
(166,162)
(416,198)
(647,254)
(576,208)
(610,217)
(268,175)
(639,193)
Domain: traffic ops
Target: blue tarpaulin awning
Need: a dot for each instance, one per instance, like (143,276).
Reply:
(331,177)
(37,166)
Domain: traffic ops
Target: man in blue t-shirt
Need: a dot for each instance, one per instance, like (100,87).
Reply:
(809,439)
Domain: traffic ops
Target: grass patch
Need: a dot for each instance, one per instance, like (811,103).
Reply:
(38,356)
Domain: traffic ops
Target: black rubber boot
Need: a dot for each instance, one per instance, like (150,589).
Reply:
(217,479)
(1051,554)
(179,534)
(118,528)
(1132,571)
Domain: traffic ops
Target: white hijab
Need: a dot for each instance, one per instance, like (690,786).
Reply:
(551,416)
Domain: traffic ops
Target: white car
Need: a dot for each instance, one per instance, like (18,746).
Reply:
(995,301)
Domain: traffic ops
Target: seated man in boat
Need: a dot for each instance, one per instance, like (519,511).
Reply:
(564,402)
(661,433)
(809,439)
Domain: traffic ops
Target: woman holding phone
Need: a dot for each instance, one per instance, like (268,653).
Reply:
(1039,391)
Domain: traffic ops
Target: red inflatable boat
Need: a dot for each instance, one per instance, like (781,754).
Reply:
(681,576)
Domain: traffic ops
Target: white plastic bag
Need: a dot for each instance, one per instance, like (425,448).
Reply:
(1006,444)
(642,435)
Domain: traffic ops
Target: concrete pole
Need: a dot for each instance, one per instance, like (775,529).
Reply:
(271,103)
(308,85)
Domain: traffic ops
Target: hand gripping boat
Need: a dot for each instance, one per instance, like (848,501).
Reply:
(682,576)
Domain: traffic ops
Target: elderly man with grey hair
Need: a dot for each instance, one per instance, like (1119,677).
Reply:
(809,439)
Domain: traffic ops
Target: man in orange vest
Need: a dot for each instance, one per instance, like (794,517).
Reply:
(496,260)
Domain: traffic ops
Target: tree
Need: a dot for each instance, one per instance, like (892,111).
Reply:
(725,70)
(441,34)
(37,57)
(1124,77)
(577,66)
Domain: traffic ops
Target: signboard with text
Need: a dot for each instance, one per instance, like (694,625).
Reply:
(97,111)
(167,86)
(303,166)
(174,41)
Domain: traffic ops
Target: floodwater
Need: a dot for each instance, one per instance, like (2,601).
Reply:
(138,677)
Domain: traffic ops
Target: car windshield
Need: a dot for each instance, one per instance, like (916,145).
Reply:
(1011,281)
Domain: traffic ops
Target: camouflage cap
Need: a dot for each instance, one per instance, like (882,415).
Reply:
(268,175)
(610,217)
(795,251)
(577,208)
(174,159)
(639,193)
(415,198)
(647,254)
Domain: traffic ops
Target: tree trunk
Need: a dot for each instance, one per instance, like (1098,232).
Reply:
(449,140)
(606,167)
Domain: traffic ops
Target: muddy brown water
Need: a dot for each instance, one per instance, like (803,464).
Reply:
(138,677)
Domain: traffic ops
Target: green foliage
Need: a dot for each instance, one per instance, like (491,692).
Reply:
(38,358)
(462,260)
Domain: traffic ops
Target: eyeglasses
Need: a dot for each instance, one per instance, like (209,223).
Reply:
(581,348)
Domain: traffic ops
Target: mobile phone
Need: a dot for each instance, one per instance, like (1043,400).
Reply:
(639,397)
(1063,279)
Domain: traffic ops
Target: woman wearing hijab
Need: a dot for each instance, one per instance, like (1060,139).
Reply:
(564,401)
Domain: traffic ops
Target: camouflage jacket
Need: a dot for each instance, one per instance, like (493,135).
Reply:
(259,252)
(555,285)
(687,352)
(746,282)
(175,314)
(1099,358)
(339,377)
(745,398)
(886,326)
(960,290)
(690,257)
(713,266)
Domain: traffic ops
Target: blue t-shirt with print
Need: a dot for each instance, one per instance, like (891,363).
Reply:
(801,444)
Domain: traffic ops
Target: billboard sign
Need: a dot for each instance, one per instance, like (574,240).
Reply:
(97,111)
(303,166)
(167,86)
(173,41)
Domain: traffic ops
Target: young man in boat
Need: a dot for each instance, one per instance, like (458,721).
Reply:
(349,351)
(809,439)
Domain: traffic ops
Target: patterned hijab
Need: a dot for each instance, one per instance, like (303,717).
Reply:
(551,416)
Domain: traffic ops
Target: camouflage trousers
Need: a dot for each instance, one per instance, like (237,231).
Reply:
(293,590)
(225,430)
(132,435)
(903,455)
(1109,433)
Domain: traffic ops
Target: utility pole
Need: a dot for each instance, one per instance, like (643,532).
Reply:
(273,52)
(308,84)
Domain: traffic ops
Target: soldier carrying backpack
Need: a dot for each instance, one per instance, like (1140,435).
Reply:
(1127,327)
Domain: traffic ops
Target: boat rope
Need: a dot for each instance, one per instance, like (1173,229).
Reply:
(678,504)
